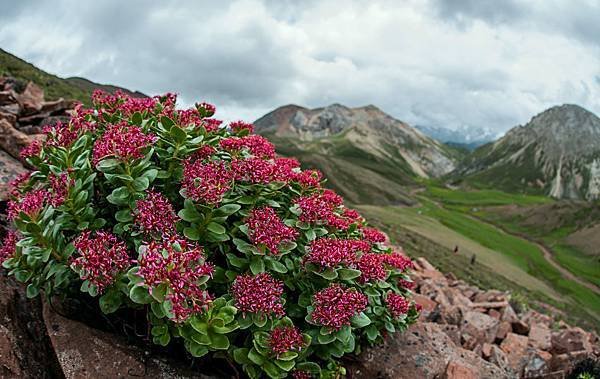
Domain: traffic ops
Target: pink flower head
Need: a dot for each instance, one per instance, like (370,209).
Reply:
(266,228)
(258,294)
(16,186)
(331,252)
(206,182)
(211,124)
(60,188)
(252,170)
(371,266)
(409,285)
(285,169)
(180,265)
(397,304)
(189,117)
(335,305)
(205,109)
(154,215)
(31,204)
(32,150)
(257,145)
(301,374)
(9,245)
(122,141)
(60,135)
(285,338)
(101,258)
(373,235)
(203,153)
(80,120)
(398,261)
(309,178)
(238,126)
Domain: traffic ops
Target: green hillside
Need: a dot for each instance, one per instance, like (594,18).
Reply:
(54,87)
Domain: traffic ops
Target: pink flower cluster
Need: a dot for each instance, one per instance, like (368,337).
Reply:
(399,261)
(265,228)
(258,294)
(122,141)
(179,264)
(319,206)
(129,105)
(301,374)
(397,304)
(309,178)
(32,150)
(154,215)
(206,182)
(16,186)
(373,235)
(238,126)
(257,145)
(331,252)
(285,338)
(335,305)
(194,116)
(252,170)
(101,258)
(60,135)
(31,204)
(60,188)
(409,285)
(206,109)
(9,245)
(371,267)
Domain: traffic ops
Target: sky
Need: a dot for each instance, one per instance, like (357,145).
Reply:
(443,63)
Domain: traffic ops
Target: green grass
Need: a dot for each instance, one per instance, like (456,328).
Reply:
(522,253)
(584,266)
(482,197)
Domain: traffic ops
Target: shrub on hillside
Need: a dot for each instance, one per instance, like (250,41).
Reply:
(225,245)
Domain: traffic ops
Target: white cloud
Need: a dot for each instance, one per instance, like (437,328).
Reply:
(442,63)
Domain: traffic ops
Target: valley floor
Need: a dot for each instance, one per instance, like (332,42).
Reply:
(454,234)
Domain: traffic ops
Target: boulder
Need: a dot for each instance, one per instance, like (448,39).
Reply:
(12,140)
(423,351)
(10,168)
(571,340)
(31,99)
(538,364)
(480,327)
(515,348)
(540,337)
(498,358)
(459,370)
(503,329)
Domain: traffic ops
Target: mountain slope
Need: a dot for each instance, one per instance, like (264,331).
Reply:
(557,154)
(466,137)
(54,87)
(368,156)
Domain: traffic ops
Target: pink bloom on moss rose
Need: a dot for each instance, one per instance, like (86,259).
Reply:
(335,305)
(259,294)
(266,228)
(332,252)
(285,338)
(9,245)
(31,204)
(238,126)
(398,305)
(122,141)
(371,267)
(206,182)
(32,150)
(101,258)
(181,269)
(154,215)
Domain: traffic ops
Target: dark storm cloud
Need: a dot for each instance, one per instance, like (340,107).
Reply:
(440,62)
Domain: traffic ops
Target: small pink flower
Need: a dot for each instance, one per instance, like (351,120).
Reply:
(179,264)
(258,294)
(266,228)
(16,186)
(9,245)
(301,374)
(206,109)
(397,304)
(252,170)
(154,215)
(60,188)
(256,145)
(31,204)
(122,141)
(335,305)
(371,266)
(309,178)
(373,235)
(206,182)
(331,252)
(406,284)
(398,261)
(60,135)
(238,126)
(101,258)
(32,150)
(285,338)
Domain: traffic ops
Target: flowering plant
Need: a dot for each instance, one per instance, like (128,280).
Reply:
(227,246)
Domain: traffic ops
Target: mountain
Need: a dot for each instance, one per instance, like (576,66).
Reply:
(463,137)
(54,87)
(557,154)
(368,156)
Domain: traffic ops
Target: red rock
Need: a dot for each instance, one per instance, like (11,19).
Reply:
(30,99)
(534,317)
(495,314)
(425,302)
(538,364)
(520,327)
(503,329)
(540,337)
(508,314)
(10,168)
(458,370)
(570,340)
(498,358)
(480,326)
(12,140)
(486,350)
(515,347)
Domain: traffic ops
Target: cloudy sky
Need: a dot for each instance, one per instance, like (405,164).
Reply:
(447,63)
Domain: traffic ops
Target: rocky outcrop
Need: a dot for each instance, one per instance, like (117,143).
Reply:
(23,113)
